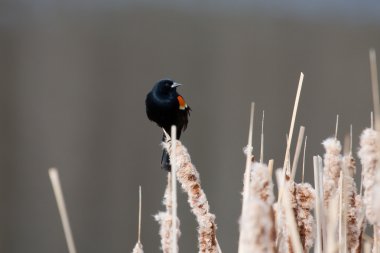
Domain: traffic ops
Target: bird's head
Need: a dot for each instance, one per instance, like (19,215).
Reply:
(167,86)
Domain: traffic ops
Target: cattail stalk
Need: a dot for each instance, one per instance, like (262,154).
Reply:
(286,166)
(342,214)
(258,233)
(165,219)
(291,223)
(188,177)
(305,201)
(246,180)
(355,221)
(318,203)
(376,209)
(369,155)
(298,151)
(332,168)
(174,188)
(375,87)
(332,224)
(288,224)
(139,247)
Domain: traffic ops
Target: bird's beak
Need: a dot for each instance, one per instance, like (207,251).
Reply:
(175,85)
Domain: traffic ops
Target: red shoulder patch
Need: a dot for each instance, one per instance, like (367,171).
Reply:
(182,103)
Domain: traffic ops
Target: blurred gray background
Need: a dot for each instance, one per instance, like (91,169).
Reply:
(74,75)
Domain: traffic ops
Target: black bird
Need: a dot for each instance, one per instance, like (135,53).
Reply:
(166,107)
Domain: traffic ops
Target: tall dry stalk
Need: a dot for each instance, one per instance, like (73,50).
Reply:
(257,226)
(54,178)
(165,219)
(319,214)
(139,247)
(188,177)
(286,166)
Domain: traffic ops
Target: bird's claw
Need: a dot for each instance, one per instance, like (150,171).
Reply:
(167,136)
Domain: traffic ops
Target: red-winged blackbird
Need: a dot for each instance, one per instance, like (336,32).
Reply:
(166,107)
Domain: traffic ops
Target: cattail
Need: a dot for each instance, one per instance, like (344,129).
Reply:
(281,231)
(376,241)
(261,183)
(376,204)
(280,218)
(368,154)
(283,240)
(138,248)
(302,200)
(257,226)
(376,210)
(165,220)
(305,199)
(355,221)
(188,176)
(332,167)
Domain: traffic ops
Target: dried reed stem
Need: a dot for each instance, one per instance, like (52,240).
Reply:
(289,141)
(188,176)
(298,151)
(173,163)
(375,87)
(303,160)
(139,226)
(165,219)
(139,247)
(54,178)
(270,167)
(318,203)
(262,141)
(336,127)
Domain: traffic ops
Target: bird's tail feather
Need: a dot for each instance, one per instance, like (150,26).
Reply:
(165,161)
